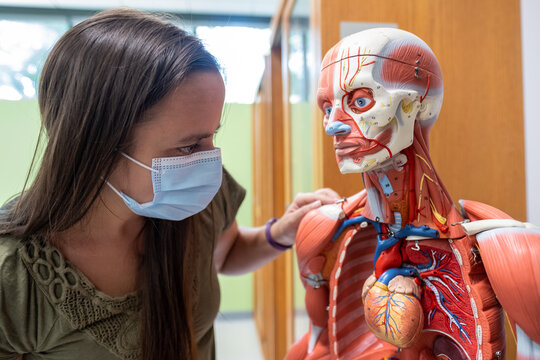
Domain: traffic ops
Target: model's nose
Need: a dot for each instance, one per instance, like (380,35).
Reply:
(337,128)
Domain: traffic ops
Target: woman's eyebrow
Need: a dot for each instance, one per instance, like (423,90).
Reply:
(194,137)
(200,136)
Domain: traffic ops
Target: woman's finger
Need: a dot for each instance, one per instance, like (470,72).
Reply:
(329,193)
(325,197)
(287,226)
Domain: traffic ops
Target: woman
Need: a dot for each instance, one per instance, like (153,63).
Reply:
(112,251)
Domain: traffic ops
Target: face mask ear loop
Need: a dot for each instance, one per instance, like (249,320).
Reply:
(139,163)
(113,188)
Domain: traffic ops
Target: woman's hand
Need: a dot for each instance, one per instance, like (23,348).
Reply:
(243,249)
(284,230)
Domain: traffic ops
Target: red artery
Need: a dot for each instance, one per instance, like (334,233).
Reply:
(390,258)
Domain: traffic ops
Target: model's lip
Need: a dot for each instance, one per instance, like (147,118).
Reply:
(345,144)
(360,145)
(358,142)
(358,149)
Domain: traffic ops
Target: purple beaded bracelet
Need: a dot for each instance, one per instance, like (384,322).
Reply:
(269,238)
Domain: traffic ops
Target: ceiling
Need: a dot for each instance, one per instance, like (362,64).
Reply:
(265,8)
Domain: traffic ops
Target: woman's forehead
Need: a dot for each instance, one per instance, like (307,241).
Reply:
(191,110)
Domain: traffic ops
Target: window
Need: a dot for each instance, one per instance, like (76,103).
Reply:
(25,41)
(24,45)
(242,64)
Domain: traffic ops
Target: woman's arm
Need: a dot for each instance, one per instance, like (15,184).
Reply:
(244,249)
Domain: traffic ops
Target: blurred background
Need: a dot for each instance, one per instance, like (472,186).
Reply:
(239,34)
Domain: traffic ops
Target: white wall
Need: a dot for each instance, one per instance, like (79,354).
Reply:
(530,37)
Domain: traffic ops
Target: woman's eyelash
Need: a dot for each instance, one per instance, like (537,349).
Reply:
(188,149)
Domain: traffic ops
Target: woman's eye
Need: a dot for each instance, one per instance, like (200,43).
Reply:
(362,102)
(327,110)
(186,150)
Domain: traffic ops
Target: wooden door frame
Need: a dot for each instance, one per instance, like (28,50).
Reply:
(273,284)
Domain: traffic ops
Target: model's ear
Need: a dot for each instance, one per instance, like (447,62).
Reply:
(430,108)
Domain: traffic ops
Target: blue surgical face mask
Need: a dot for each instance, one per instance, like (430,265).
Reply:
(183,185)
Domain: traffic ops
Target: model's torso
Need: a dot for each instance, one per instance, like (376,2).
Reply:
(461,317)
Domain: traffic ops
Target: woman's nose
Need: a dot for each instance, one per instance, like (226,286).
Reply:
(337,128)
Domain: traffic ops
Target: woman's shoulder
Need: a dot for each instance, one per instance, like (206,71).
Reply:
(20,260)
(12,269)
(220,214)
(229,198)
(17,285)
(9,248)
(14,276)
(18,300)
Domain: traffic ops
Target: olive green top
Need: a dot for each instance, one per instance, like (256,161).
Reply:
(50,310)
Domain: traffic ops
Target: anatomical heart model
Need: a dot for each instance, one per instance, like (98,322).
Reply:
(398,271)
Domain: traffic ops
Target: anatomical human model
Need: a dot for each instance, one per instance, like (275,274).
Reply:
(397,271)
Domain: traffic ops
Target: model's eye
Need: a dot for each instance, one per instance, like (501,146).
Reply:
(362,102)
(186,150)
(327,110)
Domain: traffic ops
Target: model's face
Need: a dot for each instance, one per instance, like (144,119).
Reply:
(369,122)
(352,116)
(182,123)
(362,116)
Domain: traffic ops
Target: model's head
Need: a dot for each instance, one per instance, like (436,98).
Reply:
(374,86)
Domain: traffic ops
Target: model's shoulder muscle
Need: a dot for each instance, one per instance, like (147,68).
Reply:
(319,226)
(509,250)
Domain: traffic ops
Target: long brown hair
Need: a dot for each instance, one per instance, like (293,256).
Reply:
(96,84)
